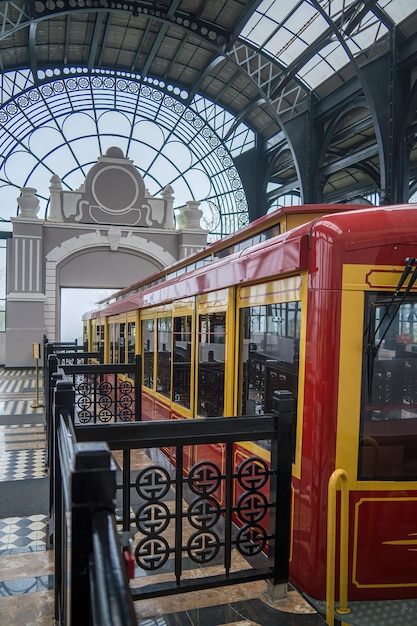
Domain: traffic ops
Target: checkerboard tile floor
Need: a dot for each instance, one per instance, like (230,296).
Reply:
(25,564)
(23,533)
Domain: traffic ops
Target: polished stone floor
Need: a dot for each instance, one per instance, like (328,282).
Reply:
(26,565)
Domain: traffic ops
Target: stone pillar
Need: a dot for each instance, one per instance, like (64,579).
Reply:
(55,203)
(25,297)
(168,196)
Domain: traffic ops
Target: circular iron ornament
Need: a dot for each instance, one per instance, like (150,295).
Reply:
(251,540)
(126,387)
(84,402)
(253,473)
(153,483)
(252,507)
(84,417)
(84,388)
(203,513)
(105,388)
(126,415)
(125,401)
(203,546)
(105,402)
(152,553)
(105,416)
(152,518)
(204,478)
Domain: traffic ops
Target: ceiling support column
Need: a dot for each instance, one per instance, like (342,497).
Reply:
(388,91)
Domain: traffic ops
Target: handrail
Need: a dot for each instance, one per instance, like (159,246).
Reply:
(111,600)
(339,475)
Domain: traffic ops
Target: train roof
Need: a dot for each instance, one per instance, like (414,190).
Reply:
(285,253)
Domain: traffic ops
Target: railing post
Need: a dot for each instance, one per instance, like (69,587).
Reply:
(338,476)
(93,489)
(138,388)
(281,464)
(63,398)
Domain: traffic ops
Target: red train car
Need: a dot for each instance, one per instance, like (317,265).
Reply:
(326,309)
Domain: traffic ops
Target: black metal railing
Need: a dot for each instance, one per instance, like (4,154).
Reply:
(91,586)
(223,512)
(103,393)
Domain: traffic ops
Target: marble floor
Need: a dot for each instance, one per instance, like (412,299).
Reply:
(26,565)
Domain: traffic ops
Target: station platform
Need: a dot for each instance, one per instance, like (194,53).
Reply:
(27,566)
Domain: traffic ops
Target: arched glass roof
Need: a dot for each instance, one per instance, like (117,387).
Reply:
(186,88)
(62,125)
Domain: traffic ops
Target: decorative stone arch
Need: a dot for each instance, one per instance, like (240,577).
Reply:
(109,224)
(141,248)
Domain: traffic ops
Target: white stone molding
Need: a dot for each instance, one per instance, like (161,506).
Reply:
(98,238)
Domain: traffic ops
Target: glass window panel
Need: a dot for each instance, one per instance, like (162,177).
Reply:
(211,364)
(398,10)
(388,433)
(114,343)
(269,346)
(181,369)
(122,343)
(148,336)
(131,341)
(163,364)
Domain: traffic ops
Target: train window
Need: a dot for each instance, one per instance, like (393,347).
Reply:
(388,432)
(122,343)
(148,335)
(181,367)
(131,342)
(269,347)
(114,343)
(211,363)
(163,363)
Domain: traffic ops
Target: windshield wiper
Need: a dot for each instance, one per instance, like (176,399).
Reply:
(372,348)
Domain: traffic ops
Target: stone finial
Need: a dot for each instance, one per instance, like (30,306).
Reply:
(28,204)
(188,217)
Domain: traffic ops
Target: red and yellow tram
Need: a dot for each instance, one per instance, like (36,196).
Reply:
(320,301)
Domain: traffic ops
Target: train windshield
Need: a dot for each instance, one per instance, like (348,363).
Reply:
(388,437)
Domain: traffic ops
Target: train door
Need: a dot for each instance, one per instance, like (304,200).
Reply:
(183,346)
(214,362)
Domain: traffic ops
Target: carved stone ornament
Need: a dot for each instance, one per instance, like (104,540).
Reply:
(28,204)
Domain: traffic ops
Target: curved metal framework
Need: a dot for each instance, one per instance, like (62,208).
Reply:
(314,99)
(170,143)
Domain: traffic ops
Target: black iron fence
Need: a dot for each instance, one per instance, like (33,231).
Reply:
(232,514)
(208,492)
(91,585)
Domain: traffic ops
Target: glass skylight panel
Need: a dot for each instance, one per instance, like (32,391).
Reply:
(321,66)
(366,37)
(285,46)
(258,29)
(334,8)
(398,10)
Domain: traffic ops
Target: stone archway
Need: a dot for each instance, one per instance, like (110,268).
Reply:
(150,254)
(110,224)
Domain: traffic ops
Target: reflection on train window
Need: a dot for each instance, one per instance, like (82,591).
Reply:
(131,341)
(211,362)
(148,335)
(181,368)
(388,437)
(269,347)
(122,344)
(113,330)
(163,363)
